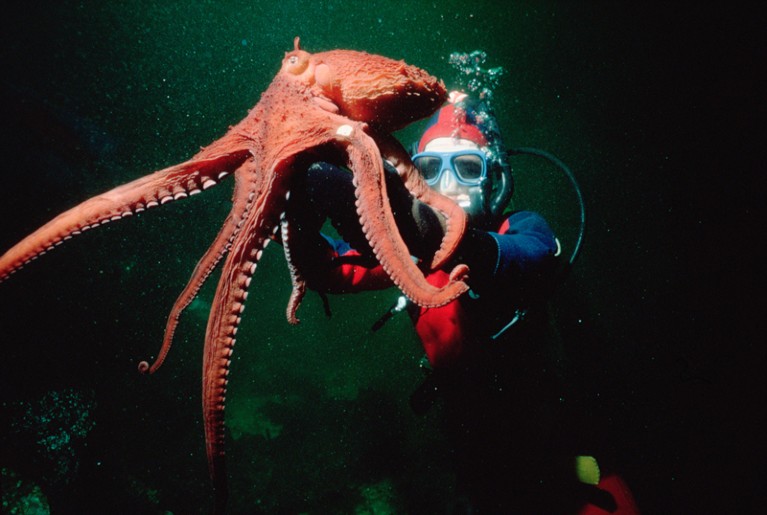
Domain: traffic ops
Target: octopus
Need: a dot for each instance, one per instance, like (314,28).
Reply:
(339,106)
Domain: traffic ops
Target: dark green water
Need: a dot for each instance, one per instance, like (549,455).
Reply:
(650,106)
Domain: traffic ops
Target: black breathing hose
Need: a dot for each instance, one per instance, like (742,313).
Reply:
(566,170)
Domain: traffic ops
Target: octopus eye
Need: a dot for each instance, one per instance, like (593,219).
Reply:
(296,64)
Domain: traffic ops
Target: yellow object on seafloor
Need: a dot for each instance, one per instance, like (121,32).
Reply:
(587,470)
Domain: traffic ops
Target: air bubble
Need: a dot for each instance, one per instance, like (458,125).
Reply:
(477,79)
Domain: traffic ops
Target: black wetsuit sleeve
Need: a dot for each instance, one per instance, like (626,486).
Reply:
(527,254)
(326,192)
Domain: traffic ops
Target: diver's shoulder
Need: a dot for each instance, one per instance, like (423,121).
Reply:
(518,219)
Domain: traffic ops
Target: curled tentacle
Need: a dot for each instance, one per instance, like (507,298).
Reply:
(455,217)
(379,227)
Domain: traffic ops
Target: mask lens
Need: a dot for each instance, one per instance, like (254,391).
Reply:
(469,167)
(429,167)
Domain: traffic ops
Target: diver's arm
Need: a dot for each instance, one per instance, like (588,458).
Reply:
(527,254)
(522,252)
(526,244)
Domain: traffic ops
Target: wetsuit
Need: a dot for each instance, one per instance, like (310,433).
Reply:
(501,392)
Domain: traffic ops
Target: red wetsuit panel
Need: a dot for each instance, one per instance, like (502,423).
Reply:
(350,277)
(620,491)
(441,329)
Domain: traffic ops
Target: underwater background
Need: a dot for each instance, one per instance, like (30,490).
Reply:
(657,109)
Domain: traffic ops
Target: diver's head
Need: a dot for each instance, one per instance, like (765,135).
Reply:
(461,156)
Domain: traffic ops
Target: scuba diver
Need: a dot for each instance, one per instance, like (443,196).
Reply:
(515,445)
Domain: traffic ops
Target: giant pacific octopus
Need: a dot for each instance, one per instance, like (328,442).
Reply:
(338,106)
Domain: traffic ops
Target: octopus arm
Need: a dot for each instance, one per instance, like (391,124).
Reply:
(163,186)
(380,229)
(296,279)
(225,315)
(455,217)
(240,203)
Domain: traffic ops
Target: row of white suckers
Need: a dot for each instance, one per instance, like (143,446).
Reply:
(208,183)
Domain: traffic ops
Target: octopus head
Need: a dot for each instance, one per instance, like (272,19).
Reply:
(385,93)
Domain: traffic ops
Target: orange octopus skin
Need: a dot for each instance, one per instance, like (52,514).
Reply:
(319,103)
